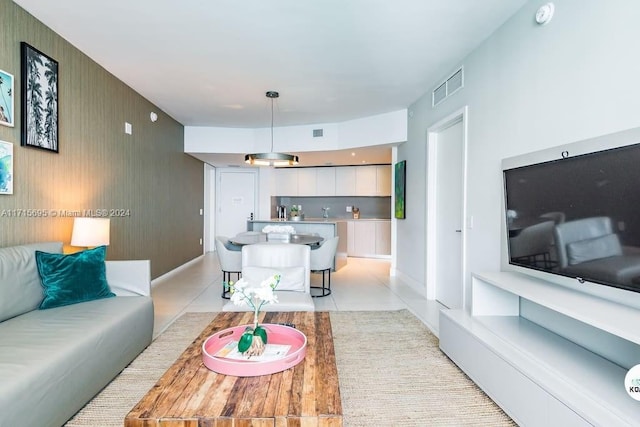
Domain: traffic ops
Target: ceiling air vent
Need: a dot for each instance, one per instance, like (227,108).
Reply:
(317,133)
(448,87)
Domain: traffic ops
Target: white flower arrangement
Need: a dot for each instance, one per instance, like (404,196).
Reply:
(242,293)
(253,340)
(279,229)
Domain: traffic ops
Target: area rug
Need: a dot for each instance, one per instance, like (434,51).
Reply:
(390,369)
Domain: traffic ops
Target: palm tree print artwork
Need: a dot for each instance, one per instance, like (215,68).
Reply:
(6,98)
(39,99)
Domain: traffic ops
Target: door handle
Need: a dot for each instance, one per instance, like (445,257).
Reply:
(458,231)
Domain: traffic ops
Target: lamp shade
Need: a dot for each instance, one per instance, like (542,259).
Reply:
(271,159)
(90,232)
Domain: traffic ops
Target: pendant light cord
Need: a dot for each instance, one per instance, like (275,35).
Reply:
(271,125)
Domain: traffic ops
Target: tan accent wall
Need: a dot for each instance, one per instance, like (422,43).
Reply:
(98,166)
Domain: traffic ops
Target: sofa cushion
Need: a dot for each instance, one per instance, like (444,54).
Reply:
(20,288)
(596,248)
(74,278)
(292,278)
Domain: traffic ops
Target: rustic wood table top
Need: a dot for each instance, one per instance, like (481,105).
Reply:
(189,394)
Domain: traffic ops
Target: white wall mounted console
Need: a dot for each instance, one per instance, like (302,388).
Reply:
(561,374)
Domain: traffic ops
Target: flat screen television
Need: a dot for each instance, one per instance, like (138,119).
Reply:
(577,216)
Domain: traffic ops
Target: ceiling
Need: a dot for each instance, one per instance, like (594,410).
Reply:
(209,63)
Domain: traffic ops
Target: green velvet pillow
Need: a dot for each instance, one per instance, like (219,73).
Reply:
(74,278)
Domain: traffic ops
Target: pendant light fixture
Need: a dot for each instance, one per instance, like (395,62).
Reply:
(271,158)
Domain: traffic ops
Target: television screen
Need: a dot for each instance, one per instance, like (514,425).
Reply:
(578,217)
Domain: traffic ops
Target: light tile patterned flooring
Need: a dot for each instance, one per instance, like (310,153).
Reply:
(362,285)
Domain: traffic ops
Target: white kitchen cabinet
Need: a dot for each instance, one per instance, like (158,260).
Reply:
(369,238)
(346,181)
(286,182)
(364,237)
(351,237)
(383,180)
(373,180)
(325,181)
(366,181)
(307,179)
(363,181)
(383,237)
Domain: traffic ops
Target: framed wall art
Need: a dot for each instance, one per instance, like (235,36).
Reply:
(39,99)
(6,167)
(6,99)
(400,189)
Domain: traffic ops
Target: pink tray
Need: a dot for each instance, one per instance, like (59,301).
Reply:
(276,334)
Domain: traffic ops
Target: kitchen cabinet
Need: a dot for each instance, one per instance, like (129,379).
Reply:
(325,181)
(373,180)
(383,237)
(365,181)
(383,180)
(369,238)
(307,179)
(346,181)
(286,182)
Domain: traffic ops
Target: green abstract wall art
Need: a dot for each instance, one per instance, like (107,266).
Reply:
(400,189)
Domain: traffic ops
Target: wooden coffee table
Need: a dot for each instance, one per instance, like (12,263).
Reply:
(189,394)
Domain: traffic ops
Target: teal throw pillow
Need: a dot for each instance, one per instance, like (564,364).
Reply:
(73,278)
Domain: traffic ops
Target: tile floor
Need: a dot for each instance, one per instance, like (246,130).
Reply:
(363,284)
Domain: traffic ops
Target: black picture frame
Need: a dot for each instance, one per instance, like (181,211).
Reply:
(39,128)
(400,189)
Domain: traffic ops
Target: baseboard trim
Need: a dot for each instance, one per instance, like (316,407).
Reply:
(176,270)
(413,283)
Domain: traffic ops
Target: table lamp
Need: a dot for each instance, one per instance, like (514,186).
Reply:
(90,232)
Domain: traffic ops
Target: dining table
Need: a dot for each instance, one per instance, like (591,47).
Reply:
(253,238)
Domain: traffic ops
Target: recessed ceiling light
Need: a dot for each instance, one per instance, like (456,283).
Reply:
(353,154)
(364,161)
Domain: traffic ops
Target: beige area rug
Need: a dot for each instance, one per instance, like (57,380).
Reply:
(391,372)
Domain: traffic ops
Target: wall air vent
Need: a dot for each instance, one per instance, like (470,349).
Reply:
(317,133)
(448,87)
(439,94)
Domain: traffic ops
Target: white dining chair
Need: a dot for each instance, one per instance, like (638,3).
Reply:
(292,262)
(230,260)
(322,261)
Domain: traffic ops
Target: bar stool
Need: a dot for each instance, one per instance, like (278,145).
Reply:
(322,262)
(230,262)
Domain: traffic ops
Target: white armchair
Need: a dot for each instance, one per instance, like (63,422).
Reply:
(230,262)
(292,262)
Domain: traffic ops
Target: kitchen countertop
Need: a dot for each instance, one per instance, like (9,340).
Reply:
(320,220)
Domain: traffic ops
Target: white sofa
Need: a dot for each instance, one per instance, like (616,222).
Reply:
(53,361)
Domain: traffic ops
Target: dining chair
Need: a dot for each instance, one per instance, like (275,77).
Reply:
(322,261)
(292,262)
(230,262)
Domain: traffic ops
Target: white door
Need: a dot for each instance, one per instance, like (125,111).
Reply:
(448,212)
(235,201)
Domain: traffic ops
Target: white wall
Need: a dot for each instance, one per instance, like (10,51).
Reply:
(528,87)
(382,129)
